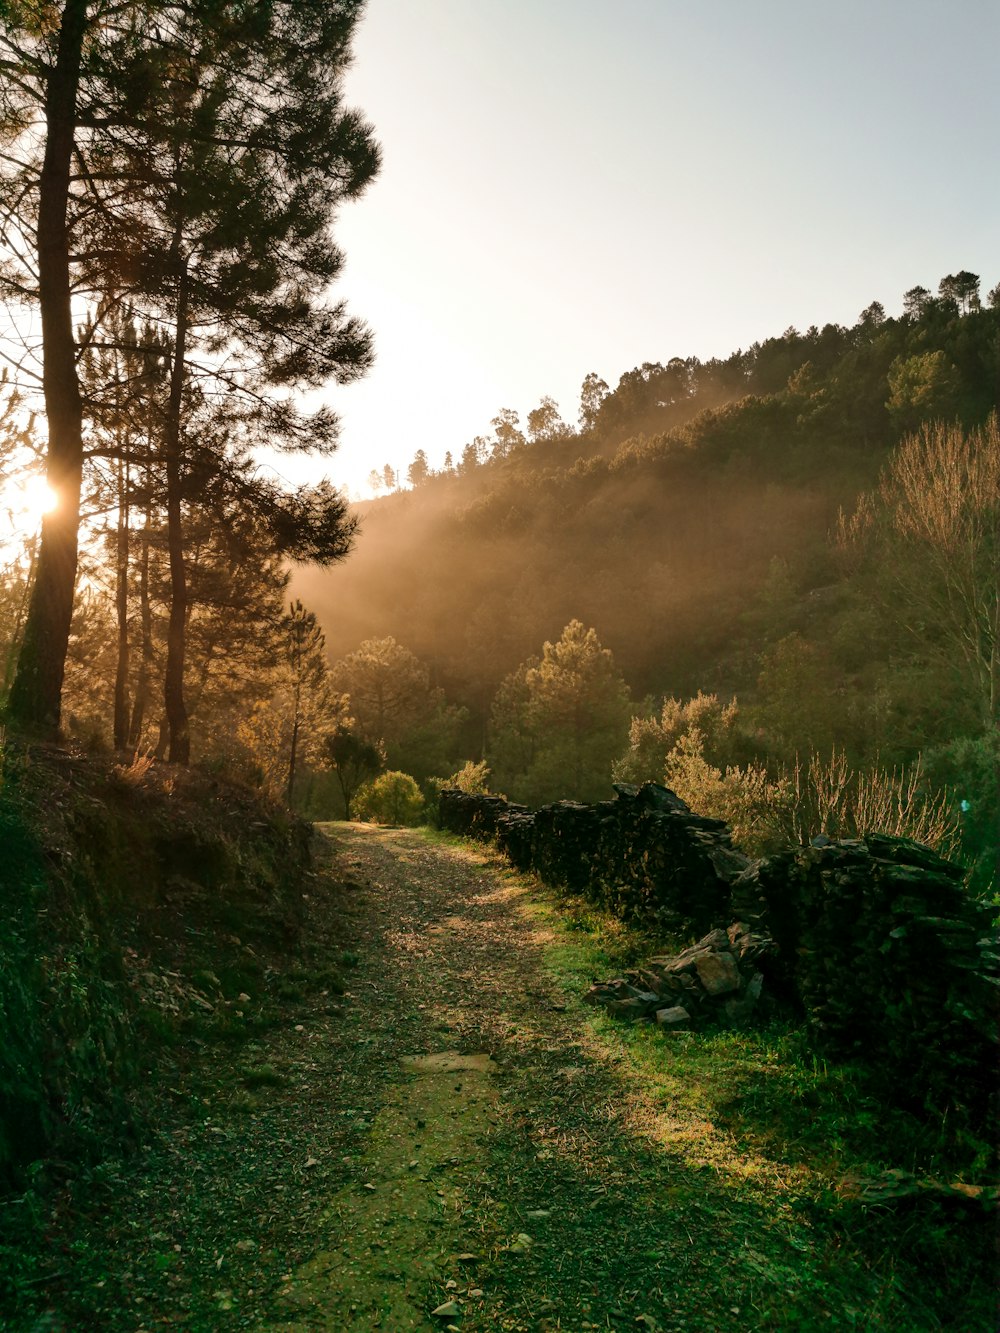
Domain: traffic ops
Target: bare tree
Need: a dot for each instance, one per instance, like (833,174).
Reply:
(936,518)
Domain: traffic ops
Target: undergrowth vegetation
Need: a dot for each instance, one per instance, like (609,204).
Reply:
(122,894)
(697,748)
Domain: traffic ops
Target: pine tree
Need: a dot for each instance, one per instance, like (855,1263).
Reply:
(42,75)
(213,161)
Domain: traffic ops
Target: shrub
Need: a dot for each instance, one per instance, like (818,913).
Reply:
(756,807)
(472,778)
(392,798)
(833,798)
(828,796)
(970,767)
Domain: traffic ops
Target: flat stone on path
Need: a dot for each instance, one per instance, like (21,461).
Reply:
(449,1062)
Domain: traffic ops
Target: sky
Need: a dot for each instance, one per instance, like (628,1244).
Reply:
(574,185)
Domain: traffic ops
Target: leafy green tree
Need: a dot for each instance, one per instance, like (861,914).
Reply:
(392,798)
(474,455)
(419,470)
(593,392)
(432,741)
(394,704)
(560,720)
(122,377)
(305,647)
(652,739)
(969,768)
(42,65)
(796,707)
(506,433)
(389,688)
(353,759)
(962,289)
(472,778)
(544,421)
(915,302)
(211,148)
(20,471)
(244,199)
(873,316)
(513,741)
(921,387)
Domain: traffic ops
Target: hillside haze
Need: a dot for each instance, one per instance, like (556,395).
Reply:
(690,519)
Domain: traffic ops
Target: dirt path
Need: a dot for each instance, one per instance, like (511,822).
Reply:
(461,1004)
(505,1176)
(457,1142)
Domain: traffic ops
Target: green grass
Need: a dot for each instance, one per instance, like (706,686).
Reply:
(263,1076)
(766,1082)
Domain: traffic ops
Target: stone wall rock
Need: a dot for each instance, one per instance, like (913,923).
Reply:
(716,980)
(888,956)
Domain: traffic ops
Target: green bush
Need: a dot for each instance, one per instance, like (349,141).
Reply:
(970,768)
(391,798)
(472,778)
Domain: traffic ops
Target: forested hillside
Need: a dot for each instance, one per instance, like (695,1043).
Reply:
(756,597)
(702,522)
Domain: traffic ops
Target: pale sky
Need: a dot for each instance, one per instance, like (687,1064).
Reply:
(578,185)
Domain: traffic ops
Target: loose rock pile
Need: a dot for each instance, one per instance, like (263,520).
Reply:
(717,979)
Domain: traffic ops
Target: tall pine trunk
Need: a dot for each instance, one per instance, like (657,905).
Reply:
(173,681)
(121,714)
(296,706)
(36,694)
(141,700)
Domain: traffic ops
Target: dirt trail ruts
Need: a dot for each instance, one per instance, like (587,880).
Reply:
(509,1170)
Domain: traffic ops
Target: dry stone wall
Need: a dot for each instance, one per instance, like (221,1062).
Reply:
(645,855)
(716,979)
(888,955)
(876,942)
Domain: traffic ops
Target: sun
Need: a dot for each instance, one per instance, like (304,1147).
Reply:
(24,502)
(38,499)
